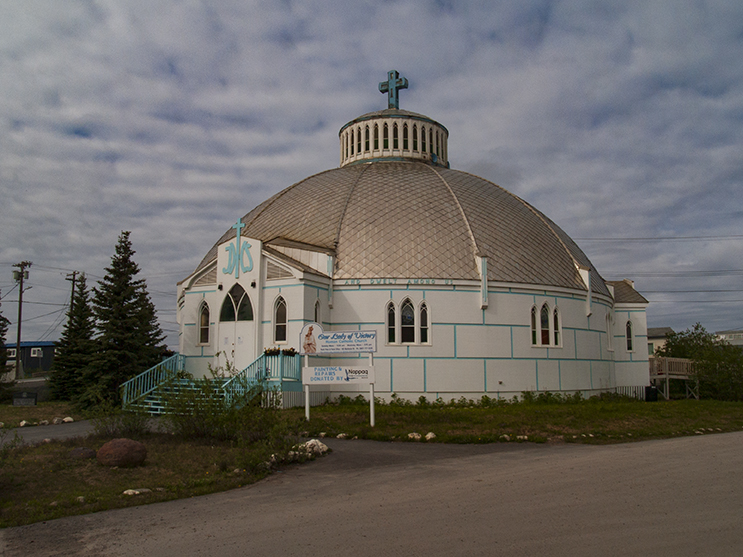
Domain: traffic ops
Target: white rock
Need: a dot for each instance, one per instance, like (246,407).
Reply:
(23,423)
(522,437)
(44,422)
(80,499)
(341,436)
(68,420)
(430,435)
(57,421)
(313,446)
(415,436)
(505,437)
(137,491)
(322,434)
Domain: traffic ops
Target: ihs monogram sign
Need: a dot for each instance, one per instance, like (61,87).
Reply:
(238,252)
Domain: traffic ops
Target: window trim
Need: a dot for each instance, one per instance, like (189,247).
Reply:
(280,301)
(393,327)
(204,308)
(552,335)
(629,331)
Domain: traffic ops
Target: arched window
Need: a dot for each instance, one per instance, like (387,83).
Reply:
(534,336)
(556,326)
(236,306)
(366,140)
(385,137)
(405,137)
(352,142)
(358,140)
(407,322)
(430,139)
(437,142)
(628,331)
(279,320)
(544,325)
(391,336)
(318,317)
(609,333)
(423,139)
(394,137)
(376,137)
(204,324)
(415,137)
(424,322)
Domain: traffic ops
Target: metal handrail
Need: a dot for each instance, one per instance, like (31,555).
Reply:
(147,381)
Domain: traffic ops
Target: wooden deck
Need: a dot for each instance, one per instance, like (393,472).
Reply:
(662,370)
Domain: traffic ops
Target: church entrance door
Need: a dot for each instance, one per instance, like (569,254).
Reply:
(237,328)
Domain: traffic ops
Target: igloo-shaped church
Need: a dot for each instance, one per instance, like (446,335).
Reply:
(471,290)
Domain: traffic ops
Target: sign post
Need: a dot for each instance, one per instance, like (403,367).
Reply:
(315,341)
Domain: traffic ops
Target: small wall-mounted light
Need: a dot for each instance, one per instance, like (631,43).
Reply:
(219,286)
(252,284)
(500,382)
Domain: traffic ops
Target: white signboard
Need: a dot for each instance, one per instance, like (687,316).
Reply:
(337,375)
(313,340)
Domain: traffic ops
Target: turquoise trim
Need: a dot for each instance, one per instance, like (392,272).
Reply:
(283,286)
(511,342)
(202,292)
(590,371)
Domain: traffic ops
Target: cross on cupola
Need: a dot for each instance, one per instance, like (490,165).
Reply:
(391,86)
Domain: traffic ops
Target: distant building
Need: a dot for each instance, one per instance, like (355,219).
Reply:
(36,358)
(657,338)
(733,337)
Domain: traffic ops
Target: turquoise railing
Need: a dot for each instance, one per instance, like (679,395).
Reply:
(147,381)
(268,370)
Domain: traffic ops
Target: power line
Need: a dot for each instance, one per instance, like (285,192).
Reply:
(662,239)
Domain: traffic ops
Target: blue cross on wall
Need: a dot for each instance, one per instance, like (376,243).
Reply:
(391,86)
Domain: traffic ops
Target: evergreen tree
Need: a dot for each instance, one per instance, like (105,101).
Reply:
(4,385)
(718,364)
(76,347)
(129,339)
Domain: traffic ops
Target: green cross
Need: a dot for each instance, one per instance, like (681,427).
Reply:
(391,86)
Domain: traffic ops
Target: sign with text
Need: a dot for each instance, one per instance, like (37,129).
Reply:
(313,340)
(337,375)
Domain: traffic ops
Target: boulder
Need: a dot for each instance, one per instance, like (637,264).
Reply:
(122,452)
(315,447)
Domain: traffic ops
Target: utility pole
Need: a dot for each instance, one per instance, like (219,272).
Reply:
(20,275)
(72,277)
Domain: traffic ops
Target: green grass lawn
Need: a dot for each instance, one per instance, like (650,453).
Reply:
(44,482)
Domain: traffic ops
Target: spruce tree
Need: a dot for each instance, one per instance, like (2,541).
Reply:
(4,385)
(76,347)
(129,337)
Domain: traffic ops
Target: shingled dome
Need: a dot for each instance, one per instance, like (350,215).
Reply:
(390,218)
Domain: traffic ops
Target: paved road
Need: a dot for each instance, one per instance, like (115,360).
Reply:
(671,497)
(36,434)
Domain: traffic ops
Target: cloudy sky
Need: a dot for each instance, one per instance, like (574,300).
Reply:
(622,121)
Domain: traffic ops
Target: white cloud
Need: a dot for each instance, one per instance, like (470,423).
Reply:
(170,118)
